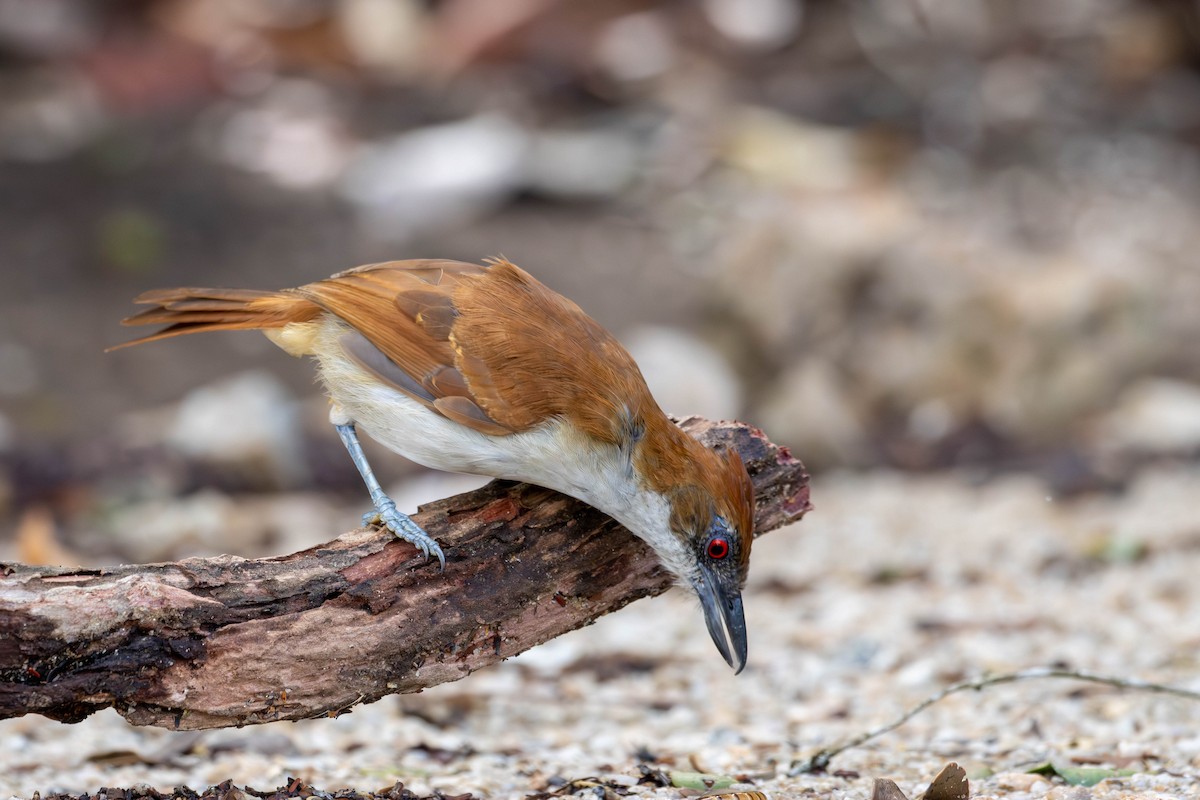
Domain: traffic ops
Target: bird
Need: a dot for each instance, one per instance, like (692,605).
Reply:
(482,369)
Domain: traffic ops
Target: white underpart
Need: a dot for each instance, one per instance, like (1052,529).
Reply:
(553,455)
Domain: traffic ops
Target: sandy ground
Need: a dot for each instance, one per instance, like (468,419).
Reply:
(894,587)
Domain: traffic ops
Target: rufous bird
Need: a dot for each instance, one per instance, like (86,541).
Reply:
(482,369)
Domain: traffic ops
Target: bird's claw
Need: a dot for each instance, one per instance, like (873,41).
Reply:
(399,523)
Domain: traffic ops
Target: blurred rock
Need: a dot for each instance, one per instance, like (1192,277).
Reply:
(780,148)
(290,136)
(166,528)
(812,411)
(437,177)
(387,36)
(756,24)
(685,375)
(18,371)
(636,47)
(47,27)
(932,420)
(7,434)
(245,423)
(588,164)
(46,114)
(1021,782)
(1015,89)
(211,523)
(270,743)
(1155,415)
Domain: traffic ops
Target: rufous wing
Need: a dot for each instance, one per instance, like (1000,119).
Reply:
(487,346)
(402,314)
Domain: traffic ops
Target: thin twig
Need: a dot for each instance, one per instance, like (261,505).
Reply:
(819,761)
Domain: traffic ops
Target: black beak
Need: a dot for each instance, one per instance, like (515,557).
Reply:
(725,618)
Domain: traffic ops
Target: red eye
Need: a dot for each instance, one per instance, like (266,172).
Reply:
(718,549)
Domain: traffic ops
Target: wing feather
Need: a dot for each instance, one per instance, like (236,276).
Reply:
(372,359)
(403,315)
(487,346)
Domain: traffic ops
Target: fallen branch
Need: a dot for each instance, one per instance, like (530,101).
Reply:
(819,761)
(217,642)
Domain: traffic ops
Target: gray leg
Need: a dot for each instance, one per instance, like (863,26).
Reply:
(386,513)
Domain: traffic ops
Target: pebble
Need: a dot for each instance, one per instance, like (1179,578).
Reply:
(437,176)
(1156,415)
(246,421)
(685,374)
(1021,782)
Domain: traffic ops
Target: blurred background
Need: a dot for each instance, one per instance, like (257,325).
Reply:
(944,249)
(923,235)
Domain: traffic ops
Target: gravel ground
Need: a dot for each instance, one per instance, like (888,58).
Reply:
(894,587)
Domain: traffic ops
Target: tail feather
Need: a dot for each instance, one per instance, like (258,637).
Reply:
(192,310)
(201,305)
(165,296)
(170,316)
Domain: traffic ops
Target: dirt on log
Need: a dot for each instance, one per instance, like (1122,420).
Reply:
(219,642)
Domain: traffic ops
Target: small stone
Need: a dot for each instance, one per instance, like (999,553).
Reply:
(246,422)
(1020,781)
(1157,415)
(686,375)
(808,410)
(636,47)
(1069,793)
(584,164)
(756,24)
(437,176)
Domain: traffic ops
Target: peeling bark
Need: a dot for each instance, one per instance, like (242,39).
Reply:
(217,642)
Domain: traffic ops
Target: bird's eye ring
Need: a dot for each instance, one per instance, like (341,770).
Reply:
(718,549)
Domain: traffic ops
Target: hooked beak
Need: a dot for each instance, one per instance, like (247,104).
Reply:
(725,618)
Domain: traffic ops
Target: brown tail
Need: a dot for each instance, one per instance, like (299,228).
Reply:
(193,310)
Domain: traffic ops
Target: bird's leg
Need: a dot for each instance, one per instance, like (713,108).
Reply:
(386,512)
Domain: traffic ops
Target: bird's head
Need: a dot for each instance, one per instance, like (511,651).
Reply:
(709,531)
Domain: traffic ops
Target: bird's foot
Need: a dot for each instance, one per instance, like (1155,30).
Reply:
(387,515)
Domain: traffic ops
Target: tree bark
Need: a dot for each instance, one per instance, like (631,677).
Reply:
(217,642)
